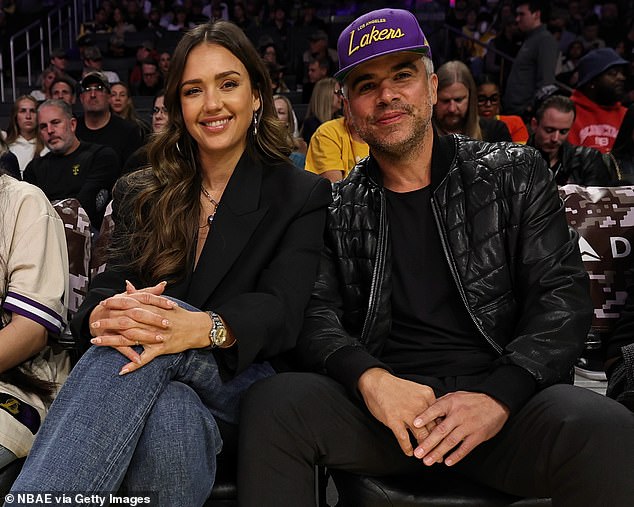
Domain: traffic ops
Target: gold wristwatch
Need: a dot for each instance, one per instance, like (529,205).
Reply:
(218,331)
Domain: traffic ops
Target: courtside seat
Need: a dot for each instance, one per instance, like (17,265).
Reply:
(432,491)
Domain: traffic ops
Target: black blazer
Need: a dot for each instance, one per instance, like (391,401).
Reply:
(257,267)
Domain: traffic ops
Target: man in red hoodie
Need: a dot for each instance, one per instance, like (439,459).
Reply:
(599,111)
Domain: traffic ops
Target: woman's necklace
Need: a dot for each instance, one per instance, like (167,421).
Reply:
(213,202)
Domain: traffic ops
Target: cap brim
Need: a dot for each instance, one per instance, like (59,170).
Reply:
(341,74)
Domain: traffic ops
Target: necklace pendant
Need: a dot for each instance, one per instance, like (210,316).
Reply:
(210,219)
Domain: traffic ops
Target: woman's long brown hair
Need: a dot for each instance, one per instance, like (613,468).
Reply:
(159,239)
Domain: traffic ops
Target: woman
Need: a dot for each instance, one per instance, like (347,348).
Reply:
(160,115)
(45,81)
(120,23)
(22,136)
(285,113)
(489,98)
(222,221)
(325,104)
(34,273)
(122,105)
(164,64)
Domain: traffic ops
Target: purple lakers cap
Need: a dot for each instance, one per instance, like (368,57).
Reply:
(379,33)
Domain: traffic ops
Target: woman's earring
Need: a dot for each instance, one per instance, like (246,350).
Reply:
(178,149)
(255,123)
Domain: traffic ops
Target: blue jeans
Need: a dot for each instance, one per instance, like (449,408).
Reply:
(152,430)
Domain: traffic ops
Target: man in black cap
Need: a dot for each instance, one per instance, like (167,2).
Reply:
(99,125)
(600,87)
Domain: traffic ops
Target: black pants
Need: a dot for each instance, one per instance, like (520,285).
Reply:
(567,443)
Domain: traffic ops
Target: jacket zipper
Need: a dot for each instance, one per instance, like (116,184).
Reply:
(379,269)
(454,274)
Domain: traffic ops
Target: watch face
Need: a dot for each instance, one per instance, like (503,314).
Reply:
(219,336)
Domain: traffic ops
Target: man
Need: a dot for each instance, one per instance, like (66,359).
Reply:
(597,98)
(59,59)
(99,125)
(570,164)
(144,51)
(450,302)
(317,70)
(151,81)
(93,62)
(72,168)
(63,88)
(534,65)
(456,110)
(318,51)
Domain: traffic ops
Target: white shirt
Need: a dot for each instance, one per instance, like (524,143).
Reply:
(24,150)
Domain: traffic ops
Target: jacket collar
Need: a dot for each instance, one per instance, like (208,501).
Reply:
(442,158)
(238,216)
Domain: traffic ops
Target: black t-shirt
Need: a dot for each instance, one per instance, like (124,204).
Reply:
(121,135)
(86,174)
(432,333)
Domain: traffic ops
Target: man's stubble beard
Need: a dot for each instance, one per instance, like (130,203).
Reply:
(399,149)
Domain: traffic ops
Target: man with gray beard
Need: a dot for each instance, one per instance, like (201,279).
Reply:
(449,308)
(72,168)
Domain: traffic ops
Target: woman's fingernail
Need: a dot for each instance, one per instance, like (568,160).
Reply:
(96,341)
(165,322)
(95,324)
(163,283)
(124,371)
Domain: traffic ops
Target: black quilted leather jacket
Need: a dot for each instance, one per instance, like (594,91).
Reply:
(514,260)
(580,165)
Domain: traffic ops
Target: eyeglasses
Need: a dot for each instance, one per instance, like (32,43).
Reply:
(491,99)
(94,88)
(157,110)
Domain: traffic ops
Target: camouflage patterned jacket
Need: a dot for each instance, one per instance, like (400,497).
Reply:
(514,260)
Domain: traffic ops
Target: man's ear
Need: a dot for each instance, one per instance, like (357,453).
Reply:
(433,88)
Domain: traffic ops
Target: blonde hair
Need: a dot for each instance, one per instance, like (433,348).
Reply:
(320,105)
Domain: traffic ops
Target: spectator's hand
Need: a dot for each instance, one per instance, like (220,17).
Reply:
(185,330)
(396,403)
(133,316)
(465,420)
